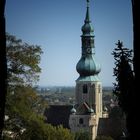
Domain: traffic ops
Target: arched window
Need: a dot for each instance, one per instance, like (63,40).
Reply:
(81,121)
(99,88)
(85,88)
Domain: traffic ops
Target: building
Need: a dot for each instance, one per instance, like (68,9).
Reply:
(86,112)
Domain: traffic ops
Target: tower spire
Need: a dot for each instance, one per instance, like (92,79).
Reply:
(87,65)
(87,19)
(87,28)
(88,107)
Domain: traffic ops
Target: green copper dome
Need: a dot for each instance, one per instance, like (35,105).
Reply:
(87,30)
(73,110)
(91,110)
(88,66)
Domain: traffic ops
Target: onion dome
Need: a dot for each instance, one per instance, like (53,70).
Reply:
(73,110)
(105,109)
(91,110)
(87,28)
(88,66)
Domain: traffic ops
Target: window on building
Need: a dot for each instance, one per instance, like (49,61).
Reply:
(85,88)
(99,88)
(81,121)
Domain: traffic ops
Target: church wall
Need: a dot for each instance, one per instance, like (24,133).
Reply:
(91,97)
(86,124)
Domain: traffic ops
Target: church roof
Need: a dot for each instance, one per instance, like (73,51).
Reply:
(88,78)
(58,115)
(84,109)
(87,65)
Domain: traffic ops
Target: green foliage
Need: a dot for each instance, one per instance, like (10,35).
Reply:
(22,61)
(82,136)
(123,88)
(104,138)
(24,108)
(26,121)
(39,131)
(63,134)
(116,113)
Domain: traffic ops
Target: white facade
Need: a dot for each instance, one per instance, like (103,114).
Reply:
(88,96)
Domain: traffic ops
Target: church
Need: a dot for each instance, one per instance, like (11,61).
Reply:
(87,114)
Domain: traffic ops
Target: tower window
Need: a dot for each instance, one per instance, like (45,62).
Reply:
(99,88)
(81,121)
(85,88)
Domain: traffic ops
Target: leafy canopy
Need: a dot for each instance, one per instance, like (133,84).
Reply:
(22,61)
(24,108)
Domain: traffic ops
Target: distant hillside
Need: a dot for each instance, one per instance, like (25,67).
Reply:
(69,90)
(108,88)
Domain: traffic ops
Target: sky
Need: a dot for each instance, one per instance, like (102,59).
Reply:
(55,25)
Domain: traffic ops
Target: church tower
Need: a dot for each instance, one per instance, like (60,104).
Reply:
(86,112)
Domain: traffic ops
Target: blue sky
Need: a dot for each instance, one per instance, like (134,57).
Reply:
(55,25)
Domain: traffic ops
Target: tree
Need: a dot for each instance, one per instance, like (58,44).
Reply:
(81,135)
(25,111)
(124,86)
(22,71)
(63,133)
(20,106)
(124,76)
(22,62)
(3,69)
(136,44)
(24,108)
(26,120)
(104,138)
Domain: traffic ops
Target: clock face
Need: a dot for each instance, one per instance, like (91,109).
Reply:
(88,50)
